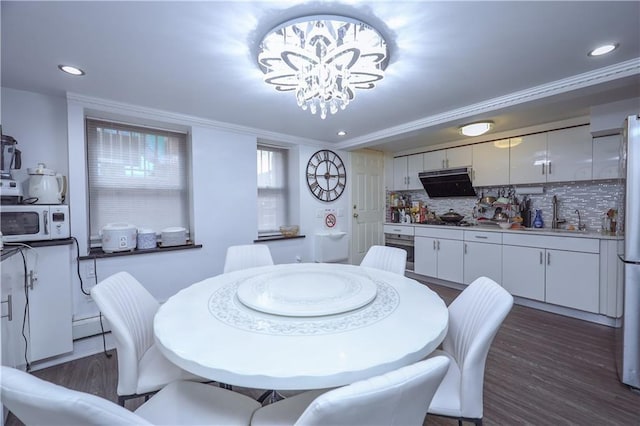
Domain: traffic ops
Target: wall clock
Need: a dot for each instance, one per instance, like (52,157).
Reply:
(326,175)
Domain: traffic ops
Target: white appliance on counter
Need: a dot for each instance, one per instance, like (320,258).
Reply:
(629,343)
(119,237)
(30,222)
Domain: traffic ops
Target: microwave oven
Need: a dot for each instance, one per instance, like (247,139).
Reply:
(34,222)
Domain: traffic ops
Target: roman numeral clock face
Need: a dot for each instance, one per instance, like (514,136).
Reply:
(326,175)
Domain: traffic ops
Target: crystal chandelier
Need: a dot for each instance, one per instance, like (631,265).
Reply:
(323,59)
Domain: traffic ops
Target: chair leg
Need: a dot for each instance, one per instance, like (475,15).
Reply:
(269,397)
(121,400)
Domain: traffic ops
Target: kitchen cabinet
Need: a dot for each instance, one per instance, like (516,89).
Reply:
(405,172)
(569,154)
(557,156)
(559,270)
(523,271)
(13,303)
(606,157)
(439,253)
(482,256)
(491,163)
(449,158)
(527,159)
(48,326)
(572,279)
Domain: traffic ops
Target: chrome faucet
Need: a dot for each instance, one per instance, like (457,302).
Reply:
(581,226)
(555,222)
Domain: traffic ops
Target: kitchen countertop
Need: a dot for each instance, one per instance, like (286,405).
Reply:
(532,231)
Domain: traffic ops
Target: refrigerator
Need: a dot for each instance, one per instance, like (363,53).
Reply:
(629,340)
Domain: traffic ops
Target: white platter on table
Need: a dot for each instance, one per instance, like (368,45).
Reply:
(306,292)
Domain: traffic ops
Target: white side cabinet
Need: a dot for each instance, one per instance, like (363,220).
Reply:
(439,253)
(491,163)
(482,256)
(572,279)
(405,172)
(48,326)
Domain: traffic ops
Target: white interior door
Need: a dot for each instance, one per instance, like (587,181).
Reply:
(367,202)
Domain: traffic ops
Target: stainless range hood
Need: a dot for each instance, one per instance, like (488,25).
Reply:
(448,183)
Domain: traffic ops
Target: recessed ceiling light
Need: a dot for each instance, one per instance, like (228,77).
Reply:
(603,50)
(70,69)
(342,133)
(476,129)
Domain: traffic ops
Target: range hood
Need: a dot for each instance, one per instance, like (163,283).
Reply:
(448,183)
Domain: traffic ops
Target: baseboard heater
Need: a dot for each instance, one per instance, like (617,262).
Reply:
(87,327)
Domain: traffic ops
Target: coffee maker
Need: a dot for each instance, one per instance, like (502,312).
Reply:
(10,159)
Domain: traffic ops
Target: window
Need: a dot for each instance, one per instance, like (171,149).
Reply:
(136,175)
(273,190)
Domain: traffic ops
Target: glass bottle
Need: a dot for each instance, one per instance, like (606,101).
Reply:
(537,221)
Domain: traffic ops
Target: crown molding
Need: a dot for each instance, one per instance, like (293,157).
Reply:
(591,78)
(180,121)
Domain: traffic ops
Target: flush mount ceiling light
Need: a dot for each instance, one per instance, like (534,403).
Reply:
(476,129)
(603,50)
(323,59)
(341,133)
(70,69)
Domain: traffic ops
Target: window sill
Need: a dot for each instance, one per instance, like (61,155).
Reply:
(276,238)
(97,253)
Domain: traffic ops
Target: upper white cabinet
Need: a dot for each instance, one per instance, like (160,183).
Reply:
(606,157)
(569,154)
(491,163)
(405,172)
(527,159)
(557,156)
(449,158)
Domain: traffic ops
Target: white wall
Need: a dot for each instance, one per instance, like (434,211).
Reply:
(51,130)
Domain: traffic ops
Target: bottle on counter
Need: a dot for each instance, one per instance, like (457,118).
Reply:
(537,221)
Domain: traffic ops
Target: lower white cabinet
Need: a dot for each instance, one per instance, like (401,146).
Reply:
(572,279)
(439,254)
(523,271)
(48,325)
(482,256)
(553,270)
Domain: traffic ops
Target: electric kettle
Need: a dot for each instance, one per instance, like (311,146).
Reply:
(46,186)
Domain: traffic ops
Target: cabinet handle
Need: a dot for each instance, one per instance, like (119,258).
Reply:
(465,248)
(482,237)
(9,303)
(438,245)
(543,168)
(434,244)
(447,163)
(443,164)
(549,168)
(541,258)
(548,258)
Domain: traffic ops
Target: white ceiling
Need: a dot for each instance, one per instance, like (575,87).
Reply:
(517,63)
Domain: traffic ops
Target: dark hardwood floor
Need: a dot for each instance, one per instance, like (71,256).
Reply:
(543,369)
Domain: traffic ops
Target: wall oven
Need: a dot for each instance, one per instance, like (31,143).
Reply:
(400,237)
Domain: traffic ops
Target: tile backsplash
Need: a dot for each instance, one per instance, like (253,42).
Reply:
(592,199)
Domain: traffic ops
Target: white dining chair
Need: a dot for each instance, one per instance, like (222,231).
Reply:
(395,398)
(474,319)
(247,256)
(129,308)
(390,259)
(37,402)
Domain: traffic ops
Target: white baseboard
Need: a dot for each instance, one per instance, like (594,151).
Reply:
(88,327)
(81,348)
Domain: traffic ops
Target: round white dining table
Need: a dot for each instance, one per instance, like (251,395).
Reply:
(300,326)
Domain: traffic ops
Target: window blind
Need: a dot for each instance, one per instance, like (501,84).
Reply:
(273,191)
(136,175)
